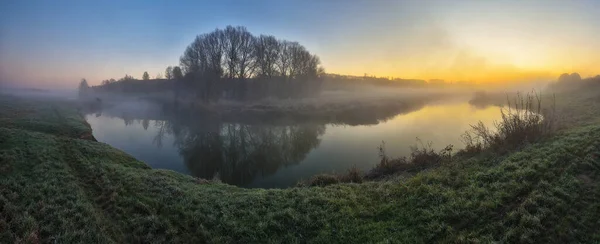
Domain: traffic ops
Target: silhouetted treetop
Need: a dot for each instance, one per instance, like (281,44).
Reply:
(235,53)
(575,77)
(169,73)
(176,73)
(127,78)
(569,77)
(83,87)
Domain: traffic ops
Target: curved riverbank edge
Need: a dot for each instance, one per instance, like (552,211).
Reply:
(55,186)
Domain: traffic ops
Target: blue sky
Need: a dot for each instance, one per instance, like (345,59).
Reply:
(56,43)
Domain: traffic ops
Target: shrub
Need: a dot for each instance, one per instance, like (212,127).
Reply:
(320,180)
(522,121)
(353,175)
(422,157)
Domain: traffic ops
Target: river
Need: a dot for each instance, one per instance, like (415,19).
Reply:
(277,155)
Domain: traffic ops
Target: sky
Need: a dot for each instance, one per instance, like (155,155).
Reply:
(55,43)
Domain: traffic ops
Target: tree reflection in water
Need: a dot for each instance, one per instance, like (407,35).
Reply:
(237,153)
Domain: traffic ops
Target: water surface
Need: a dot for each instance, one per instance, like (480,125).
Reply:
(277,155)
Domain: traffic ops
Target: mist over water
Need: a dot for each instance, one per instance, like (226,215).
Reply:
(276,155)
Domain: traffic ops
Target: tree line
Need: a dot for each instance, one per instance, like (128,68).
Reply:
(233,63)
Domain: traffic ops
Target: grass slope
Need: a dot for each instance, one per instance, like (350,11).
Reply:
(55,186)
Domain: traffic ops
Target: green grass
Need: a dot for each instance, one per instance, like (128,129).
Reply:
(56,186)
(48,116)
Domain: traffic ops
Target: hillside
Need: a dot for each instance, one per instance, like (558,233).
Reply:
(58,184)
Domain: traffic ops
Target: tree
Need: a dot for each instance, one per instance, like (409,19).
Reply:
(563,78)
(238,45)
(83,88)
(231,44)
(321,72)
(283,60)
(575,77)
(176,73)
(246,63)
(145,123)
(169,73)
(145,76)
(266,52)
(158,76)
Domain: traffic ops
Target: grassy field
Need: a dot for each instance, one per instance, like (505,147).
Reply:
(58,184)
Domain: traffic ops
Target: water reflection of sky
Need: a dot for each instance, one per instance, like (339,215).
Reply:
(338,148)
(138,142)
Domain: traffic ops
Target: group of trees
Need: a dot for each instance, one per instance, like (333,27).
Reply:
(234,63)
(111,80)
(573,81)
(130,84)
(236,53)
(173,73)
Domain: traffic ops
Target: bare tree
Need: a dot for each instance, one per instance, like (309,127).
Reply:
(214,46)
(158,76)
(177,75)
(245,54)
(297,55)
(231,44)
(191,58)
(283,61)
(266,52)
(169,73)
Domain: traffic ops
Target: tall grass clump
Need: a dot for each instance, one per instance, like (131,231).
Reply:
(422,156)
(353,175)
(523,120)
